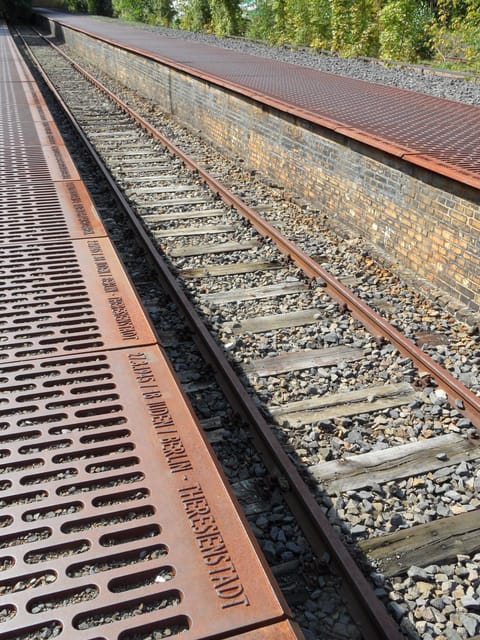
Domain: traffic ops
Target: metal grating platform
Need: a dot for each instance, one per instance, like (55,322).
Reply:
(19,94)
(438,134)
(40,188)
(66,297)
(19,133)
(39,209)
(114,519)
(12,68)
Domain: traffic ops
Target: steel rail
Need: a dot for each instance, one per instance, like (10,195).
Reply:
(366,609)
(457,392)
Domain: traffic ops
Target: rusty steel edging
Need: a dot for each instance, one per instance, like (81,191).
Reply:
(411,156)
(367,610)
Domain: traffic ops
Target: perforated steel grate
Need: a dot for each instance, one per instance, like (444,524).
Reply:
(66,297)
(40,191)
(39,209)
(18,133)
(20,95)
(102,466)
(11,68)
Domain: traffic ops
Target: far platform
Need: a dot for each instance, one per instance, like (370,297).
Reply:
(438,134)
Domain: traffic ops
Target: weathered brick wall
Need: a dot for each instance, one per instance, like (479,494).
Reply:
(427,223)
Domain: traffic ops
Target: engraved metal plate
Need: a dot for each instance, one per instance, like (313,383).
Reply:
(115,519)
(66,297)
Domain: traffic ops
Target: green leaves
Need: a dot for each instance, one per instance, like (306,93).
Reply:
(151,11)
(455,36)
(16,9)
(405,30)
(99,7)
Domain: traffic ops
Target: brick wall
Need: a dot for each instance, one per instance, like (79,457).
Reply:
(425,222)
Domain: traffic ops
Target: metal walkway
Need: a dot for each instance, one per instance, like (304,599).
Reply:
(440,135)
(115,520)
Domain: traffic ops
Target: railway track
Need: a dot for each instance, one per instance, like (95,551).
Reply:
(373,437)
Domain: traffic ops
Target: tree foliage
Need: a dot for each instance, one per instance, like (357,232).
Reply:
(393,29)
(226,17)
(100,7)
(456,31)
(223,17)
(195,15)
(15,9)
(150,11)
(355,26)
(76,5)
(398,42)
(261,20)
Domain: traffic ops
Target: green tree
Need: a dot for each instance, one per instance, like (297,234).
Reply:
(342,24)
(355,26)
(279,33)
(76,5)
(319,17)
(132,9)
(195,15)
(366,28)
(456,32)
(15,9)
(261,20)
(99,7)
(302,22)
(222,17)
(164,12)
(226,17)
(404,30)
(151,11)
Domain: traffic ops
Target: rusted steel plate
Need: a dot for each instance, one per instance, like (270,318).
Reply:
(26,123)
(47,133)
(20,95)
(66,297)
(41,197)
(60,164)
(45,163)
(12,69)
(464,169)
(433,132)
(21,133)
(374,141)
(115,516)
(21,166)
(285,630)
(39,212)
